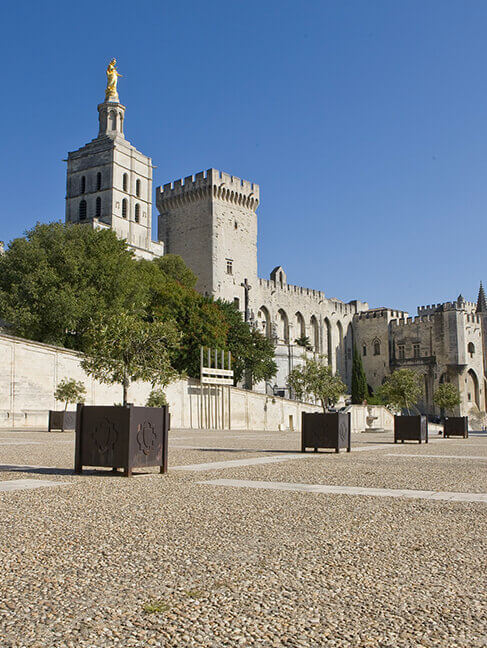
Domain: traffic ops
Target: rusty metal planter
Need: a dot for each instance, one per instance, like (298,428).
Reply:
(456,426)
(62,420)
(121,437)
(410,428)
(322,430)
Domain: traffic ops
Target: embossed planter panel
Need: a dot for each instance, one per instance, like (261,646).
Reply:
(410,428)
(122,437)
(456,426)
(62,420)
(322,430)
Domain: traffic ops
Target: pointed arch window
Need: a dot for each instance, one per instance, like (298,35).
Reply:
(376,347)
(98,207)
(82,210)
(125,182)
(124,208)
(98,181)
(137,213)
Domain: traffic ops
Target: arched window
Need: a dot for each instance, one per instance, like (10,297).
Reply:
(300,326)
(471,349)
(83,185)
(113,120)
(328,342)
(137,213)
(125,182)
(124,208)
(376,347)
(472,387)
(137,188)
(98,207)
(264,321)
(98,181)
(82,210)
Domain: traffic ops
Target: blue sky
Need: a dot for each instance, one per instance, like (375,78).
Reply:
(364,122)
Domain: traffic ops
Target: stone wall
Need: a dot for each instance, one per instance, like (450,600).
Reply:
(30,372)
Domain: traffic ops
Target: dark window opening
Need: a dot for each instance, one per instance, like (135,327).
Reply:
(125,181)
(98,208)
(82,210)
(124,208)
(137,213)
(83,185)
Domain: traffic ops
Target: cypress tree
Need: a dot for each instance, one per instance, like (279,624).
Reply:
(359,382)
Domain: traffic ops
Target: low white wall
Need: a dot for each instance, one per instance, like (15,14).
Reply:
(382,417)
(30,372)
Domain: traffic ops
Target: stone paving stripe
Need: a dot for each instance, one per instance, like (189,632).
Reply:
(16,443)
(350,490)
(432,456)
(26,484)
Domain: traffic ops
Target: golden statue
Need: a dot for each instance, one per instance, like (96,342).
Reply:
(111,93)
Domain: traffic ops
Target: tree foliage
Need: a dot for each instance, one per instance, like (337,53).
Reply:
(157,398)
(57,277)
(316,379)
(252,352)
(360,391)
(447,397)
(401,390)
(304,342)
(70,391)
(122,348)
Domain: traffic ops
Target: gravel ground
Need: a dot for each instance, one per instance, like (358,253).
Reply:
(166,561)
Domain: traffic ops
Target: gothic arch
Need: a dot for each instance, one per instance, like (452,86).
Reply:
(315,334)
(473,393)
(339,348)
(283,326)
(264,321)
(327,342)
(300,325)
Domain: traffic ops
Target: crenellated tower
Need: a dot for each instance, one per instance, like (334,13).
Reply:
(210,220)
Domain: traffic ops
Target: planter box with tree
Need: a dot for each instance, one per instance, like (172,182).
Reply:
(69,391)
(321,430)
(401,390)
(122,348)
(447,397)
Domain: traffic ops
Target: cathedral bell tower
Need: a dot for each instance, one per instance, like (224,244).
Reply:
(109,182)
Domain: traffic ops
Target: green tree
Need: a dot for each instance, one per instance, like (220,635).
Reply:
(174,267)
(122,348)
(401,390)
(360,391)
(447,397)
(304,342)
(316,379)
(57,277)
(157,398)
(252,352)
(70,391)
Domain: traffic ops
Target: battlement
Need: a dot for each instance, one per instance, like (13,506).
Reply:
(447,306)
(205,184)
(411,321)
(473,318)
(314,295)
(380,312)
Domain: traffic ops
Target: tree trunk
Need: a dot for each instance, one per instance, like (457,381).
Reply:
(125,389)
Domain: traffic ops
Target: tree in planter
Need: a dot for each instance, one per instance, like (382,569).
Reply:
(70,391)
(401,389)
(360,391)
(157,398)
(122,348)
(447,397)
(316,379)
(304,342)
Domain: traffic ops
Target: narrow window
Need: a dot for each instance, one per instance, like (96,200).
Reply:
(364,350)
(124,208)
(82,210)
(376,347)
(416,352)
(137,213)
(83,185)
(137,188)
(229,267)
(401,351)
(113,120)
(98,207)
(236,301)
(471,349)
(125,181)
(98,181)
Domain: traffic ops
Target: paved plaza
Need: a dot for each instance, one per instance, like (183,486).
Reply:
(246,542)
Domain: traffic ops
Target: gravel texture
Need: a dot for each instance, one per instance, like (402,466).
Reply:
(161,560)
